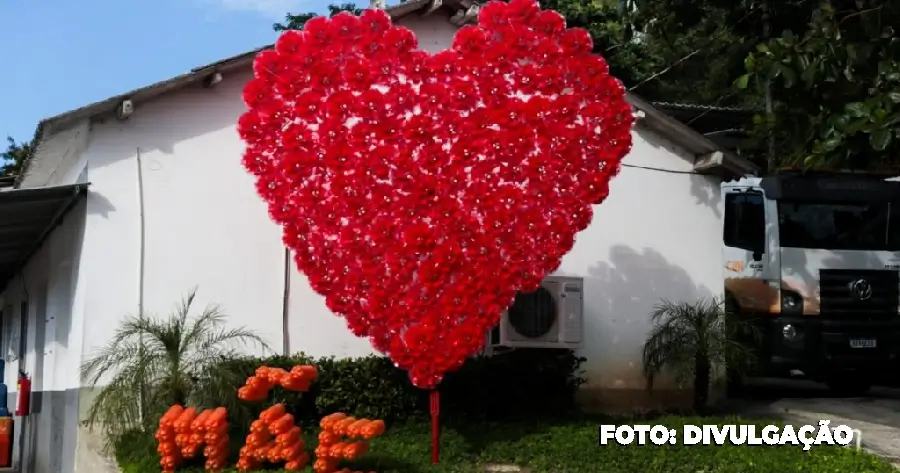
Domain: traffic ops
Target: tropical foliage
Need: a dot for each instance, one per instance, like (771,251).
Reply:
(690,340)
(152,363)
(835,81)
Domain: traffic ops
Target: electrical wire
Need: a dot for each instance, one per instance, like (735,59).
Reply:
(668,171)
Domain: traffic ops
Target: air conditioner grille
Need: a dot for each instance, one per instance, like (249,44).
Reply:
(533,314)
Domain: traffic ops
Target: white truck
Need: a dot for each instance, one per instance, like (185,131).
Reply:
(814,260)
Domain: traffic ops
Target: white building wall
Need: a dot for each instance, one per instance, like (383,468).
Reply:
(657,236)
(203,223)
(53,335)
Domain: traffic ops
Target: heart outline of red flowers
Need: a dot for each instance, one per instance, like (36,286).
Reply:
(420,192)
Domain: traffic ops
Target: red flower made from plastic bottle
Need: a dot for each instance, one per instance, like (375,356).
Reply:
(419,192)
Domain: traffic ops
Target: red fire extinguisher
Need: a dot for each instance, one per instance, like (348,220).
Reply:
(23,403)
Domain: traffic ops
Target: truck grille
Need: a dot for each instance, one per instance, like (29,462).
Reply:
(838,299)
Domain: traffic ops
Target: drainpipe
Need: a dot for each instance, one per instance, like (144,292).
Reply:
(142,258)
(142,252)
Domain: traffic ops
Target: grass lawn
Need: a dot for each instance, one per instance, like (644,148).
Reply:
(572,447)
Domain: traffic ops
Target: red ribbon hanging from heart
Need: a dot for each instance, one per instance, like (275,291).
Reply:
(419,192)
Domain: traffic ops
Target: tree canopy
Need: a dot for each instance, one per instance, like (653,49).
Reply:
(15,156)
(835,83)
(296,21)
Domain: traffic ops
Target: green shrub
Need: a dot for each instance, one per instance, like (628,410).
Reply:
(519,385)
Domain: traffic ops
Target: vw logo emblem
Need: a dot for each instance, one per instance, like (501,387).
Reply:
(862,289)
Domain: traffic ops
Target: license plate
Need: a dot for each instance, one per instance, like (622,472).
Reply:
(862,343)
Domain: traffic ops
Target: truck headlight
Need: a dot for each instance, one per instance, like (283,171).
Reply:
(791,333)
(791,302)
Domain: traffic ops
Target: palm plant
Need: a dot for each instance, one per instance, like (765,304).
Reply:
(689,339)
(152,363)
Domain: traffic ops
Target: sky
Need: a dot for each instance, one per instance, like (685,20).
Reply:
(61,55)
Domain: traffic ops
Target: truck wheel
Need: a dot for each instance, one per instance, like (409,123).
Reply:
(849,386)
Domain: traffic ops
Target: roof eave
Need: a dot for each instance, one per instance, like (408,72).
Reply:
(29,217)
(701,147)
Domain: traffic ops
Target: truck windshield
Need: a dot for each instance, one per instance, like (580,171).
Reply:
(840,226)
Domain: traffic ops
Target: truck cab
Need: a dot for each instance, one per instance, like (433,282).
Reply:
(814,261)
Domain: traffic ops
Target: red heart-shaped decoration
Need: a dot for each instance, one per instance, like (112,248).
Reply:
(421,191)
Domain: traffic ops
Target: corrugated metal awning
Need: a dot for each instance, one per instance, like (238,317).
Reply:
(27,217)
